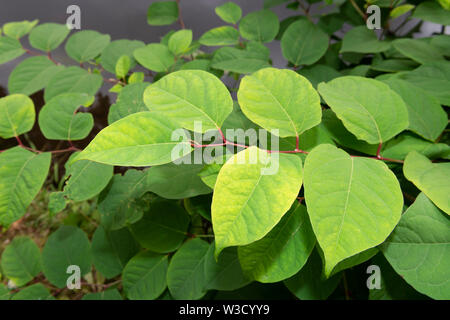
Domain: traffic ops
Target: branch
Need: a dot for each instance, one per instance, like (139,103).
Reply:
(49,56)
(225,142)
(358,9)
(306,10)
(20,144)
(180,16)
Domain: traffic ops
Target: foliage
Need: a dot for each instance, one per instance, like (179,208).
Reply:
(161,203)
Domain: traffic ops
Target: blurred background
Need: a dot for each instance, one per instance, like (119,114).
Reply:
(128,19)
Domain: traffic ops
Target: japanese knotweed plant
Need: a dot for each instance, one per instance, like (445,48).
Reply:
(352,172)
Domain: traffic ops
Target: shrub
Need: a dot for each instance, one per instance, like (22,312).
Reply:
(218,175)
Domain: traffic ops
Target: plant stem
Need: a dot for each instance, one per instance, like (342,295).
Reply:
(379,150)
(344,278)
(225,142)
(306,10)
(71,148)
(180,16)
(49,56)
(358,9)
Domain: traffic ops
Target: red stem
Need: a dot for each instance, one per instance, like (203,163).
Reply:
(379,150)
(49,56)
(71,148)
(297,149)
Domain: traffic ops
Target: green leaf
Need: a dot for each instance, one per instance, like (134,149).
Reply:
(307,140)
(237,120)
(426,116)
(442,42)
(444,4)
(251,196)
(393,287)
(368,108)
(32,75)
(130,100)
(56,203)
(283,251)
(66,246)
(430,178)
(48,36)
(224,274)
(342,136)
(431,11)
(221,36)
(229,12)
(16,115)
(10,49)
(254,57)
(197,64)
(18,29)
(209,174)
(111,294)
(401,10)
(417,50)
(180,41)
(86,45)
(303,43)
(186,273)
(119,204)
(139,140)
(308,284)
(73,80)
(70,124)
(187,96)
(36,291)
(433,78)
(155,57)
(162,13)
(115,49)
(176,181)
(418,249)
(399,148)
(200,205)
(354,260)
(22,174)
(280,99)
(319,73)
(393,65)
(259,26)
(116,88)
(353,203)
(163,227)
(363,40)
(4,292)
(136,77)
(144,276)
(111,250)
(85,179)
(21,260)
(123,66)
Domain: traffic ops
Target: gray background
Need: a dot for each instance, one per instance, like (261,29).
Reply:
(127,19)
